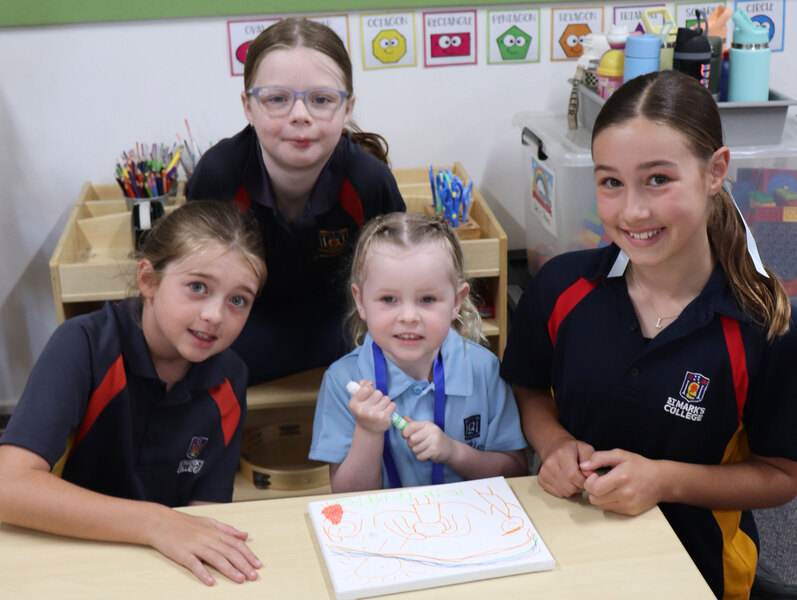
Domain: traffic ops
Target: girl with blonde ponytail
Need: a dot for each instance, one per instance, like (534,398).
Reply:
(660,369)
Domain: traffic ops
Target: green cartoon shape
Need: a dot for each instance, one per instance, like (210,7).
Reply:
(514,43)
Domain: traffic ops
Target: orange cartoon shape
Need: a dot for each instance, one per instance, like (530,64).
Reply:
(572,37)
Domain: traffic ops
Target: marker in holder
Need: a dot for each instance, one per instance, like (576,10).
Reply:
(396,419)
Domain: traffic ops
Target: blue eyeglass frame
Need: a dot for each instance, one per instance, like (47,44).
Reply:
(254,91)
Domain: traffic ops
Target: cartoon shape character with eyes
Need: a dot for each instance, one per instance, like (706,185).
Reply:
(389,46)
(572,37)
(514,43)
(450,44)
(765,22)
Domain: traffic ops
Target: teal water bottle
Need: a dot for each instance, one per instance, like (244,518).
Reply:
(748,69)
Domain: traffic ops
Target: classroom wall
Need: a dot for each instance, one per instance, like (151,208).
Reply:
(72,97)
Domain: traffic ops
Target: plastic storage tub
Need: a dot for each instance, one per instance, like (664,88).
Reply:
(559,188)
(743,123)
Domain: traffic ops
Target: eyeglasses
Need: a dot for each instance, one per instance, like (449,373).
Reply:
(321,103)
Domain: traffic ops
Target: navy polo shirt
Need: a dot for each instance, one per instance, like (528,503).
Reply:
(96,411)
(708,389)
(306,292)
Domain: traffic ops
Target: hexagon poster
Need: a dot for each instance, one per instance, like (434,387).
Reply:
(413,538)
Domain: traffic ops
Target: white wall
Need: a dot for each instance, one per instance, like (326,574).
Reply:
(73,97)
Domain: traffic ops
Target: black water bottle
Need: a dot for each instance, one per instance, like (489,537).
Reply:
(692,52)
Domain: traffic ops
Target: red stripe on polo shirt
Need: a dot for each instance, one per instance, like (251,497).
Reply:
(242,200)
(229,408)
(351,202)
(566,302)
(114,382)
(733,340)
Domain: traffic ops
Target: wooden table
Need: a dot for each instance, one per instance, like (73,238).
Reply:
(598,555)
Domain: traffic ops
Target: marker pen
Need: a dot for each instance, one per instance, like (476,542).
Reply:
(396,419)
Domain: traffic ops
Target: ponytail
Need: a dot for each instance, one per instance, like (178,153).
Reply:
(761,297)
(373,143)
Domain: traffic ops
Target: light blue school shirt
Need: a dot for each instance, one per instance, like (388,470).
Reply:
(480,407)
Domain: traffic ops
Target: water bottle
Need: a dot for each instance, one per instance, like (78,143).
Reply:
(716,66)
(666,31)
(610,72)
(748,71)
(692,52)
(642,54)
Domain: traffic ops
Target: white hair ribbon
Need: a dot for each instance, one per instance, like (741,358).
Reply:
(752,247)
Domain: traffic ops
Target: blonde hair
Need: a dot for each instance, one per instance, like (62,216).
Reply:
(193,225)
(296,32)
(680,102)
(409,230)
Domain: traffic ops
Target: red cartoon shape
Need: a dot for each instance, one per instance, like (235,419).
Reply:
(450,44)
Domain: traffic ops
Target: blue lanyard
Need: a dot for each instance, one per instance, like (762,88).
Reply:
(380,379)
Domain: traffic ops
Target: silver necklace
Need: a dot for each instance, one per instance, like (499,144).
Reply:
(659,318)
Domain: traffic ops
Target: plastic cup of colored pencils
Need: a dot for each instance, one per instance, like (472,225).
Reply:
(148,173)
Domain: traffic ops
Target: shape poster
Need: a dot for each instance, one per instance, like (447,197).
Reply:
(685,15)
(388,40)
(631,16)
(513,36)
(449,38)
(770,14)
(239,35)
(568,28)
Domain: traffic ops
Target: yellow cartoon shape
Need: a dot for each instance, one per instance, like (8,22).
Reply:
(389,46)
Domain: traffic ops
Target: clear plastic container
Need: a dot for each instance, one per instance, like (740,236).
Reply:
(559,188)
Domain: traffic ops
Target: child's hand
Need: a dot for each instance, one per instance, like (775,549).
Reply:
(371,409)
(631,486)
(195,542)
(560,473)
(428,441)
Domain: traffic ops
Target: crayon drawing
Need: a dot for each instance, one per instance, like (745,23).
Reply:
(413,538)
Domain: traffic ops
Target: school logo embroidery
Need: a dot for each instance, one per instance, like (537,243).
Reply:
(196,445)
(694,387)
(693,390)
(193,464)
(332,243)
(473,426)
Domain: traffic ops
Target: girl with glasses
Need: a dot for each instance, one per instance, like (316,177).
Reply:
(311,179)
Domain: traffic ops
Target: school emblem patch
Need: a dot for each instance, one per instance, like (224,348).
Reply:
(332,243)
(196,445)
(193,464)
(694,387)
(473,427)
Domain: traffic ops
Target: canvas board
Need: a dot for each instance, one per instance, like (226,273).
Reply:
(413,538)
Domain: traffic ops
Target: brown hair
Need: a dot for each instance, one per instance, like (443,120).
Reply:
(408,230)
(678,101)
(193,225)
(296,32)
